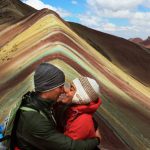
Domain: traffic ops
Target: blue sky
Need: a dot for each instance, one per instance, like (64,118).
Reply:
(123,18)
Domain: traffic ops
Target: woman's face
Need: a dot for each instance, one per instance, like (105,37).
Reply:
(69,90)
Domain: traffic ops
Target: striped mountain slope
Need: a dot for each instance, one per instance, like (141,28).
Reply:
(44,36)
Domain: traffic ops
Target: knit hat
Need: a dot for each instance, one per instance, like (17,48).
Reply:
(87,90)
(48,77)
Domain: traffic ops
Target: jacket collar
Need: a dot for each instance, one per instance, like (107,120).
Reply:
(90,108)
(32,99)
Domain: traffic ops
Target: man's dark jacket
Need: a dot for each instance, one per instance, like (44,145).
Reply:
(36,129)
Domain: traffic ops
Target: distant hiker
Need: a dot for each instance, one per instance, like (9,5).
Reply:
(36,127)
(84,96)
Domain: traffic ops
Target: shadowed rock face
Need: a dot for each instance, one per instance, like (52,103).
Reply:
(12,11)
(136,40)
(131,58)
(44,36)
(146,42)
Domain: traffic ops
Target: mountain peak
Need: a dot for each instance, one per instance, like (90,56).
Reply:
(148,38)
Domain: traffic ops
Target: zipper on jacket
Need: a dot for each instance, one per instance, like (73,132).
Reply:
(52,115)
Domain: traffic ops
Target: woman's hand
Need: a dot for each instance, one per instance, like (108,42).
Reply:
(98,134)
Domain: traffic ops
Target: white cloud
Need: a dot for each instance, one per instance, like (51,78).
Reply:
(123,31)
(113,8)
(109,27)
(146,3)
(141,21)
(113,4)
(63,13)
(100,14)
(114,14)
(74,2)
(38,4)
(113,28)
(90,20)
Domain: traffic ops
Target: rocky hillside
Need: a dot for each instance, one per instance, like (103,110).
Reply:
(29,37)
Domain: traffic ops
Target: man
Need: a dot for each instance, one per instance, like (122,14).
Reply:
(36,127)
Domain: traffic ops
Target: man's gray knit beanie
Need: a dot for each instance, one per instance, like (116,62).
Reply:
(48,77)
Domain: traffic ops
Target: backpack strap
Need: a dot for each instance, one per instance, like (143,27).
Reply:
(6,137)
(31,109)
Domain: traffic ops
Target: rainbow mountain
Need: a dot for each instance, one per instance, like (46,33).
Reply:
(29,37)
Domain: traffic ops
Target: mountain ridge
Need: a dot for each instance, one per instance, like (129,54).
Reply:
(120,50)
(44,36)
(145,43)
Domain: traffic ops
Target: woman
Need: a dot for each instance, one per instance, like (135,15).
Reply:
(83,96)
